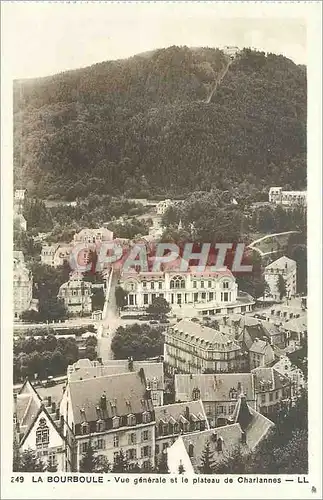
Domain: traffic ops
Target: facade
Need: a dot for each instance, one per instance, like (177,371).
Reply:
(113,413)
(219,393)
(22,285)
(288,198)
(55,255)
(163,206)
(286,268)
(272,388)
(38,426)
(93,236)
(288,369)
(76,295)
(177,419)
(193,348)
(154,373)
(260,353)
(246,430)
(296,332)
(189,293)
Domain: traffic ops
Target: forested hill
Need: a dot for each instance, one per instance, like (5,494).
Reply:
(141,126)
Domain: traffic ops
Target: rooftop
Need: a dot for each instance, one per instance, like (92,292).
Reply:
(282,263)
(176,410)
(215,387)
(209,335)
(269,379)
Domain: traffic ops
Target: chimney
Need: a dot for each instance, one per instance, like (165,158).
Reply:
(130,364)
(57,414)
(53,407)
(191,376)
(62,421)
(239,387)
(148,393)
(187,413)
(100,361)
(49,399)
(103,402)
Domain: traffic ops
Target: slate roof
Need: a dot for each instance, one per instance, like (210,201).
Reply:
(208,334)
(298,325)
(281,262)
(214,387)
(259,346)
(125,394)
(271,379)
(176,410)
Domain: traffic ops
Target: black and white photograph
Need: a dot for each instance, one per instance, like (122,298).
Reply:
(161,176)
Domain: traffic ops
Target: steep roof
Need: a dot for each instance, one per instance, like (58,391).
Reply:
(204,332)
(214,387)
(259,346)
(281,263)
(176,410)
(269,379)
(125,394)
(298,325)
(41,409)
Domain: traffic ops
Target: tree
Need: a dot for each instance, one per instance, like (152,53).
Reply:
(28,462)
(159,307)
(206,460)
(30,316)
(233,462)
(281,285)
(161,464)
(181,469)
(121,297)
(101,464)
(52,309)
(88,463)
(120,463)
(138,341)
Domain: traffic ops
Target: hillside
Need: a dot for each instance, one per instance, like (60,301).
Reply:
(141,126)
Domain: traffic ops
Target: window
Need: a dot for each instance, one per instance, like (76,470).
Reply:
(146,417)
(225,296)
(115,422)
(145,451)
(271,396)
(196,394)
(157,449)
(165,445)
(100,444)
(131,420)
(190,450)
(99,426)
(144,436)
(132,438)
(194,284)
(276,395)
(84,447)
(211,295)
(152,285)
(177,282)
(145,298)
(52,462)
(115,441)
(160,285)
(202,284)
(144,284)
(263,398)
(225,284)
(209,283)
(131,454)
(203,295)
(208,409)
(115,456)
(42,433)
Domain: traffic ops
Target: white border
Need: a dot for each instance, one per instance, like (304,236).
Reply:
(312,11)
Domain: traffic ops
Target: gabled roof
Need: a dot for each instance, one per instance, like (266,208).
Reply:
(269,379)
(214,387)
(41,410)
(281,263)
(259,346)
(176,410)
(298,325)
(125,394)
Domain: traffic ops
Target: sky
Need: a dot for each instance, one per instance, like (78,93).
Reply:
(43,38)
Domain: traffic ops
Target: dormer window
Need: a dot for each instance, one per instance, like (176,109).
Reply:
(85,428)
(225,284)
(146,417)
(190,450)
(219,444)
(131,420)
(196,394)
(115,422)
(100,426)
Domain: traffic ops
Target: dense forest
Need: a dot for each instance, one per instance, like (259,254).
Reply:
(142,127)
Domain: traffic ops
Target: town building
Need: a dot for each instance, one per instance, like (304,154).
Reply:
(296,332)
(154,373)
(219,393)
(190,293)
(22,284)
(261,353)
(287,269)
(272,388)
(113,413)
(38,427)
(246,430)
(163,206)
(285,366)
(55,255)
(288,198)
(76,295)
(193,348)
(87,235)
(20,221)
(177,419)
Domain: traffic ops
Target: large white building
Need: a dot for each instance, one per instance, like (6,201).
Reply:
(287,268)
(288,198)
(189,293)
(22,284)
(87,235)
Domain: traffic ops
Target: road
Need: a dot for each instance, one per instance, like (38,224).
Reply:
(110,323)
